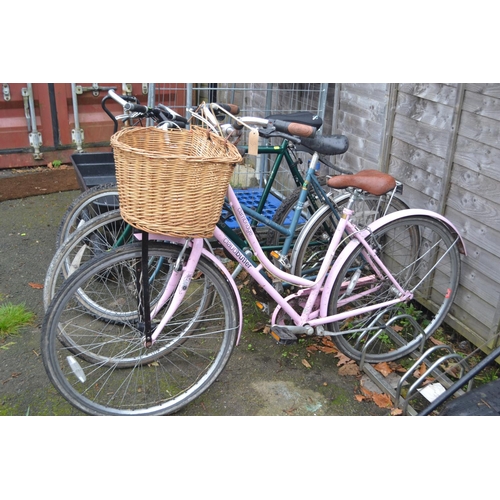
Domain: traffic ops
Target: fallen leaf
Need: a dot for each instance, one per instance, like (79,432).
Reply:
(342,359)
(359,397)
(396,367)
(383,368)
(420,371)
(366,392)
(306,364)
(327,341)
(312,348)
(428,380)
(396,411)
(382,400)
(259,327)
(453,369)
(35,285)
(436,341)
(349,369)
(327,350)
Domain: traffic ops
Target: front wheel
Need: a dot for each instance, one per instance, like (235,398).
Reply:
(89,204)
(429,268)
(102,367)
(96,237)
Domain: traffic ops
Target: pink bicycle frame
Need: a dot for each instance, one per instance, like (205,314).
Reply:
(312,315)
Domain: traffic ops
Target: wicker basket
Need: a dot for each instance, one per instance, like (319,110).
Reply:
(172,182)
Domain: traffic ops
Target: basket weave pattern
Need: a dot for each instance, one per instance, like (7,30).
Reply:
(172,182)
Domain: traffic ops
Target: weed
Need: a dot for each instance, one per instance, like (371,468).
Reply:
(488,375)
(13,317)
(6,346)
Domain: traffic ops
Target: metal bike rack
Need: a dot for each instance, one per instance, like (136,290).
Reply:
(434,369)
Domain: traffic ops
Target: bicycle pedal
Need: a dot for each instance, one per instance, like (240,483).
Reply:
(262,306)
(282,259)
(283,335)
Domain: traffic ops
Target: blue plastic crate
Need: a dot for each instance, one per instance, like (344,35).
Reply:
(251,198)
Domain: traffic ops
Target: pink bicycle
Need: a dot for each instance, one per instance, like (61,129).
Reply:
(147,328)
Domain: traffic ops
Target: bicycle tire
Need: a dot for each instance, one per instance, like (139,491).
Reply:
(158,382)
(121,311)
(396,331)
(312,243)
(95,237)
(92,202)
(285,212)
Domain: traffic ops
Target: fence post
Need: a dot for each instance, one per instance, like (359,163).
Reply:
(450,151)
(385,147)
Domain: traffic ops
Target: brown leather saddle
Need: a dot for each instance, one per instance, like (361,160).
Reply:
(371,181)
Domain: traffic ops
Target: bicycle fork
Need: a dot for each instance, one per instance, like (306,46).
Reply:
(176,288)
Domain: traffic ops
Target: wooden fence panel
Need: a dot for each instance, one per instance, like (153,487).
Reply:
(361,116)
(443,142)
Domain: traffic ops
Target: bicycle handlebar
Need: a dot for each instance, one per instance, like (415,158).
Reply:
(160,113)
(267,127)
(128,106)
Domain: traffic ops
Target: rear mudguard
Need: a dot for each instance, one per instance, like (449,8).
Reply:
(339,262)
(210,256)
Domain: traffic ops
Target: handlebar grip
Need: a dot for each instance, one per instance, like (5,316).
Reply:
(135,107)
(230,108)
(129,98)
(292,128)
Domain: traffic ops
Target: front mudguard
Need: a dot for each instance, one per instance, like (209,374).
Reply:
(210,256)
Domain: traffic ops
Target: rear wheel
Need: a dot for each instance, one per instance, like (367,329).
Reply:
(284,214)
(313,242)
(431,271)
